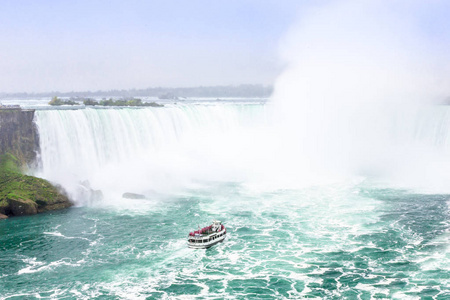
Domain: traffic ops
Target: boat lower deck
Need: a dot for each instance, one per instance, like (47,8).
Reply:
(203,242)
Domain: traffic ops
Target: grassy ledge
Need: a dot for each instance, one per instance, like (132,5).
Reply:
(26,195)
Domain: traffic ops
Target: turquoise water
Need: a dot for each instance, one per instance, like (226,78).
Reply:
(293,232)
(333,242)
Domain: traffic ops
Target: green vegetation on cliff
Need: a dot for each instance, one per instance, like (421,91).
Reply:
(26,195)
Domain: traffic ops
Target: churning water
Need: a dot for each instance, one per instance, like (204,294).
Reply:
(353,237)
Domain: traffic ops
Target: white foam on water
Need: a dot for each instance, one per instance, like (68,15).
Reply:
(17,295)
(59,234)
(37,266)
(402,295)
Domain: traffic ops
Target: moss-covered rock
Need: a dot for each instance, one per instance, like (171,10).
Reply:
(26,195)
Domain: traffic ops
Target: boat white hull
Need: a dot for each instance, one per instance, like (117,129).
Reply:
(205,245)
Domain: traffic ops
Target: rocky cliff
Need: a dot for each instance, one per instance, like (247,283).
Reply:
(18,135)
(19,144)
(26,195)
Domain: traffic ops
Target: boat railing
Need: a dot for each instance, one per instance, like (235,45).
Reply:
(219,233)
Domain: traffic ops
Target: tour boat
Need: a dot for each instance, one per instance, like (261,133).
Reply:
(207,236)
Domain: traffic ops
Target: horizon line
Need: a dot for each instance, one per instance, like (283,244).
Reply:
(143,89)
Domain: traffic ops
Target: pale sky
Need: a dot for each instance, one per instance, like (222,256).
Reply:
(51,45)
(79,45)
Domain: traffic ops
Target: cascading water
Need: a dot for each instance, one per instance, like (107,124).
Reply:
(142,150)
(164,149)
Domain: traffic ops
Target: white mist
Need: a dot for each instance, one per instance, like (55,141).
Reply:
(359,75)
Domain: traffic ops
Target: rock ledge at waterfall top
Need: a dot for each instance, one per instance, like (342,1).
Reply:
(22,195)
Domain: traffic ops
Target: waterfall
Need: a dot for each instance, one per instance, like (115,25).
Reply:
(163,150)
(121,150)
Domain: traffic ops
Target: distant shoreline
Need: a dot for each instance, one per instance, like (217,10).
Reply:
(244,91)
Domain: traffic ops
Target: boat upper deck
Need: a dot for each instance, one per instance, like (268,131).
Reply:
(209,230)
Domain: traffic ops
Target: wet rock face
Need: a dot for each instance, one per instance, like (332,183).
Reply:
(133,196)
(20,194)
(22,207)
(18,135)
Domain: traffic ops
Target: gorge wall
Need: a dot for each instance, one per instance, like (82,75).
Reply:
(18,135)
(21,194)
